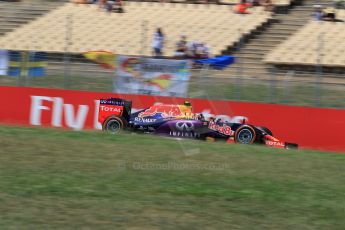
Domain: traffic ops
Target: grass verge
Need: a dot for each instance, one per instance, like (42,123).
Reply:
(53,179)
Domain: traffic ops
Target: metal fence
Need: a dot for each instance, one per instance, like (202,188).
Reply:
(285,87)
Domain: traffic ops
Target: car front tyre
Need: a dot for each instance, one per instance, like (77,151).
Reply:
(245,135)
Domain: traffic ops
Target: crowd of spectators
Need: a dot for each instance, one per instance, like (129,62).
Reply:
(184,49)
(192,49)
(199,50)
(109,6)
(240,8)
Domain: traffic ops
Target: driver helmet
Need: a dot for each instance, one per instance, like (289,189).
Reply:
(188,106)
(187,103)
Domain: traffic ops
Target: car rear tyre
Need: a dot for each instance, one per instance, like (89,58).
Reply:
(245,135)
(113,125)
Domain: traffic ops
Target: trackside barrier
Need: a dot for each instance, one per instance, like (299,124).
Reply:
(315,128)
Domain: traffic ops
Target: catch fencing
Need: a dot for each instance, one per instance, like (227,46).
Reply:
(283,87)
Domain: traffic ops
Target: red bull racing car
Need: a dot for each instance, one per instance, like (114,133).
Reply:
(179,121)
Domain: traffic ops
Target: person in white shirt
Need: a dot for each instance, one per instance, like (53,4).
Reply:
(158,43)
(191,49)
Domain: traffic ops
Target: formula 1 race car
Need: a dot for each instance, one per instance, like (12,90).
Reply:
(179,121)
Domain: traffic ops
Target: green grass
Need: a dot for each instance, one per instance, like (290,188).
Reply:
(303,95)
(96,83)
(53,179)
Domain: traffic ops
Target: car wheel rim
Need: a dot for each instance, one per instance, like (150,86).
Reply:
(113,126)
(245,136)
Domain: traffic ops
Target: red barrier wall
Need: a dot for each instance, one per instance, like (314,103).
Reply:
(316,128)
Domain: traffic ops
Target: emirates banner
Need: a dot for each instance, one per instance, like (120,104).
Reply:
(315,128)
(150,76)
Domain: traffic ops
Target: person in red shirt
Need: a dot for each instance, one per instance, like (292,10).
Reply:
(241,8)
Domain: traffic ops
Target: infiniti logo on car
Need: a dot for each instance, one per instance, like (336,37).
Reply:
(185,126)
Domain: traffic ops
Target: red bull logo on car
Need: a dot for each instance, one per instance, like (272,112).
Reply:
(224,129)
(166,111)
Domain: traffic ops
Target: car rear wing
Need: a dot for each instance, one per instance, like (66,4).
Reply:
(114,107)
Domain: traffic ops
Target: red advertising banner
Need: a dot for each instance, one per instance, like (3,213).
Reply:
(316,128)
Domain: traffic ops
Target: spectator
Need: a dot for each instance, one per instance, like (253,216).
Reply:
(206,52)
(80,1)
(255,2)
(190,53)
(197,50)
(118,6)
(83,1)
(101,3)
(318,14)
(109,6)
(211,1)
(267,4)
(181,47)
(158,42)
(201,50)
(241,8)
(325,15)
